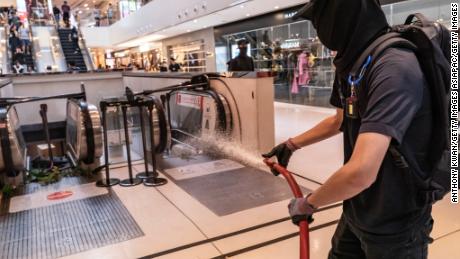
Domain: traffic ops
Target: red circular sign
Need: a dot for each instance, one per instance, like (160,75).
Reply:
(59,195)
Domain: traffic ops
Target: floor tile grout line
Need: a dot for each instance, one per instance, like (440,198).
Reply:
(231,234)
(272,241)
(186,216)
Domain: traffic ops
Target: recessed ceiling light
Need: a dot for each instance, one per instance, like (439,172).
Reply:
(277,7)
(248,15)
(242,6)
(86,5)
(188,30)
(195,21)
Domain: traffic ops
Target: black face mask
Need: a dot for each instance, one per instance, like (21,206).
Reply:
(348,27)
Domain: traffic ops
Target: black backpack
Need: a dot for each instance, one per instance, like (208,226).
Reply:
(431,42)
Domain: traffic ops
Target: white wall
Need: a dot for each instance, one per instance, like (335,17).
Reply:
(154,16)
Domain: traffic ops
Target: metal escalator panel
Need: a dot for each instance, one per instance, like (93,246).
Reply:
(200,113)
(84,132)
(47,49)
(14,141)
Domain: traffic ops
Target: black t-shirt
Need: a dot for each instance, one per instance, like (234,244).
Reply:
(174,67)
(241,63)
(399,106)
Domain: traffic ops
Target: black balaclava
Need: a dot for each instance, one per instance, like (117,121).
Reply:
(348,27)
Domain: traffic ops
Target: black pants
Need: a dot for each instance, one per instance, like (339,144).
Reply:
(350,243)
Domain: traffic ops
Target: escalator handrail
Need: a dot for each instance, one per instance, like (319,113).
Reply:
(85,48)
(7,49)
(32,49)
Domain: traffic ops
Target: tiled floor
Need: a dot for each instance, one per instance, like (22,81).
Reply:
(172,220)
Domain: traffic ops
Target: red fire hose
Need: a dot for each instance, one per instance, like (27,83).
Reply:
(303,225)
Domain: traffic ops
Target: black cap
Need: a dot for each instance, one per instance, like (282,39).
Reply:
(306,12)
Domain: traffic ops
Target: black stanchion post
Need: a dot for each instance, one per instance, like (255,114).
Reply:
(107,182)
(145,174)
(168,106)
(131,181)
(155,181)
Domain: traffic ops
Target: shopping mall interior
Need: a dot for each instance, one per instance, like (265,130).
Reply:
(127,131)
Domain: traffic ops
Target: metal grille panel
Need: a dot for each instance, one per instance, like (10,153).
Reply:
(67,228)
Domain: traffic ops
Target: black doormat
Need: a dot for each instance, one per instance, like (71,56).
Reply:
(67,228)
(228,192)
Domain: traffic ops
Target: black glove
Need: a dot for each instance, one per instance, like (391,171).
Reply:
(300,209)
(283,153)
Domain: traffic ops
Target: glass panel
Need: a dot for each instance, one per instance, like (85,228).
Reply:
(47,49)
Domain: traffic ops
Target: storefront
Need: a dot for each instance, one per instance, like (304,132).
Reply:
(304,71)
(303,66)
(194,51)
(147,57)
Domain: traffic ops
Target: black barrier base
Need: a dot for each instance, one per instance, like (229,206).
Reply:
(130,182)
(153,182)
(107,182)
(144,175)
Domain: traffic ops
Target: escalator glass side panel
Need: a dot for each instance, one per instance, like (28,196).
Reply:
(17,145)
(4,64)
(200,113)
(47,50)
(84,131)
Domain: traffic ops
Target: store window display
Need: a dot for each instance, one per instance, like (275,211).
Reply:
(191,56)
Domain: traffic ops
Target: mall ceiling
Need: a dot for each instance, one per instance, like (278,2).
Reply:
(81,4)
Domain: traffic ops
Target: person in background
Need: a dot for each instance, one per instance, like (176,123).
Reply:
(24,37)
(110,14)
(18,67)
(57,15)
(74,38)
(19,55)
(173,66)
(97,17)
(164,66)
(66,13)
(242,62)
(14,20)
(72,67)
(15,43)
(30,69)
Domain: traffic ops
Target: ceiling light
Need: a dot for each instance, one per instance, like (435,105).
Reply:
(195,21)
(80,12)
(242,6)
(188,30)
(86,5)
(277,7)
(248,15)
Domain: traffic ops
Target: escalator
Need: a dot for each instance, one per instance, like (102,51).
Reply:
(71,49)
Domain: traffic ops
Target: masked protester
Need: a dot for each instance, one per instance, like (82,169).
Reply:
(381,216)
(242,62)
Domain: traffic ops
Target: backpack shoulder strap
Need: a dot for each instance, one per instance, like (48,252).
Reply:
(389,40)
